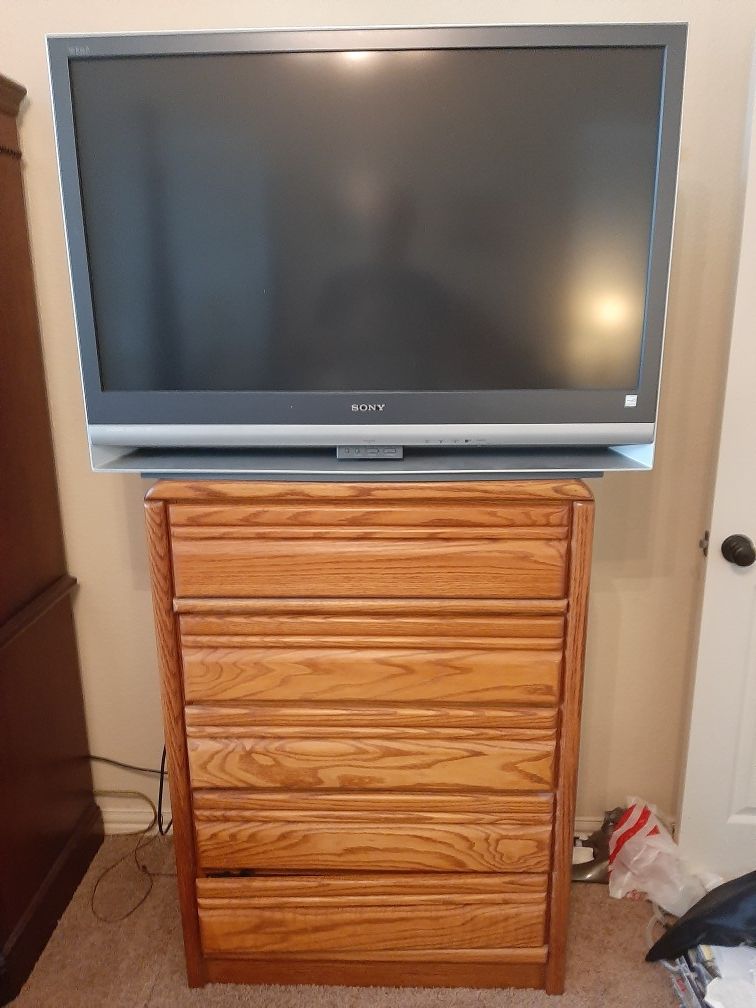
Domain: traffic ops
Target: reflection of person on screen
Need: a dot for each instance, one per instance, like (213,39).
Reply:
(385,324)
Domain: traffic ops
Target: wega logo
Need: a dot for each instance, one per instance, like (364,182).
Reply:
(364,407)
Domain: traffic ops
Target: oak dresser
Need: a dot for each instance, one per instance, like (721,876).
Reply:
(371,697)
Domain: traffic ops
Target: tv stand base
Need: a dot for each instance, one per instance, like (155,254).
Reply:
(323,465)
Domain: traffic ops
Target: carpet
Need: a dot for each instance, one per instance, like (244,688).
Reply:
(138,963)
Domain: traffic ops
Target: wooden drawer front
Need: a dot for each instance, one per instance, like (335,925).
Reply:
(365,720)
(375,832)
(455,917)
(353,623)
(380,519)
(458,675)
(223,563)
(400,760)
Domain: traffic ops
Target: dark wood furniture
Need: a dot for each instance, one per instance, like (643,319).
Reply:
(51,825)
(371,698)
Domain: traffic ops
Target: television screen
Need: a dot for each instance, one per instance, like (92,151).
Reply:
(410,219)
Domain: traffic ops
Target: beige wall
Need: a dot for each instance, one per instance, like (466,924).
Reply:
(647,569)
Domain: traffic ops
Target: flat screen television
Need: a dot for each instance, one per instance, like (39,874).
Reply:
(451,237)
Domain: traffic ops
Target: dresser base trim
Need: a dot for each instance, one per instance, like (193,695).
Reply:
(375,974)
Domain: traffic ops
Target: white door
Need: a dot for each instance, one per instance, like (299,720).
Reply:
(718,819)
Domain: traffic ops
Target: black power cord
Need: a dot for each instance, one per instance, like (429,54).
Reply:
(161,825)
(124,766)
(162,828)
(143,838)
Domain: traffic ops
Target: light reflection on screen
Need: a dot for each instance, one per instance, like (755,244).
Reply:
(440,220)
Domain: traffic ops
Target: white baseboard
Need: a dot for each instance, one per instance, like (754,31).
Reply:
(587,824)
(127,815)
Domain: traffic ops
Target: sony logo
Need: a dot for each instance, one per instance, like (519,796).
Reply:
(364,407)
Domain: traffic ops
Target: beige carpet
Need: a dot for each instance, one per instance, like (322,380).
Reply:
(139,962)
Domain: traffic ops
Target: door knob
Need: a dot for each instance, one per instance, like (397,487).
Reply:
(739,549)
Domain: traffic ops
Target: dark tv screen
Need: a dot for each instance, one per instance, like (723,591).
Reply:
(442,220)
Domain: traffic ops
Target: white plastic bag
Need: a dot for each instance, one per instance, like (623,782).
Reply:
(643,858)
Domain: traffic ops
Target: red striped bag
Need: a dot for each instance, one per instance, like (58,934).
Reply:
(644,859)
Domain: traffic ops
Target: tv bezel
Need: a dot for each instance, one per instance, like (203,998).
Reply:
(285,418)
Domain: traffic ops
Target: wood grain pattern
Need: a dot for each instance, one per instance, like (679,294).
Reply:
(378,729)
(537,631)
(553,519)
(342,916)
(569,743)
(377,887)
(255,929)
(358,832)
(391,763)
(424,642)
(520,568)
(519,722)
(505,968)
(398,608)
(213,492)
(169,660)
(368,674)
(401,534)
(283,805)
(311,721)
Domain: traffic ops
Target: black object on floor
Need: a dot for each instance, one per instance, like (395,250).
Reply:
(725,916)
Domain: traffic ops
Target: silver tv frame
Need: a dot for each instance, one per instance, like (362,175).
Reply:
(157,426)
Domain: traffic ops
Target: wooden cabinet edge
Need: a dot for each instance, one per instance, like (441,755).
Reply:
(11,96)
(28,939)
(569,742)
(169,662)
(229,491)
(36,608)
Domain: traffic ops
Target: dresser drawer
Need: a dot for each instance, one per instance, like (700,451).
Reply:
(392,674)
(362,567)
(332,650)
(305,673)
(396,760)
(351,623)
(372,917)
(314,747)
(373,832)
(382,551)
